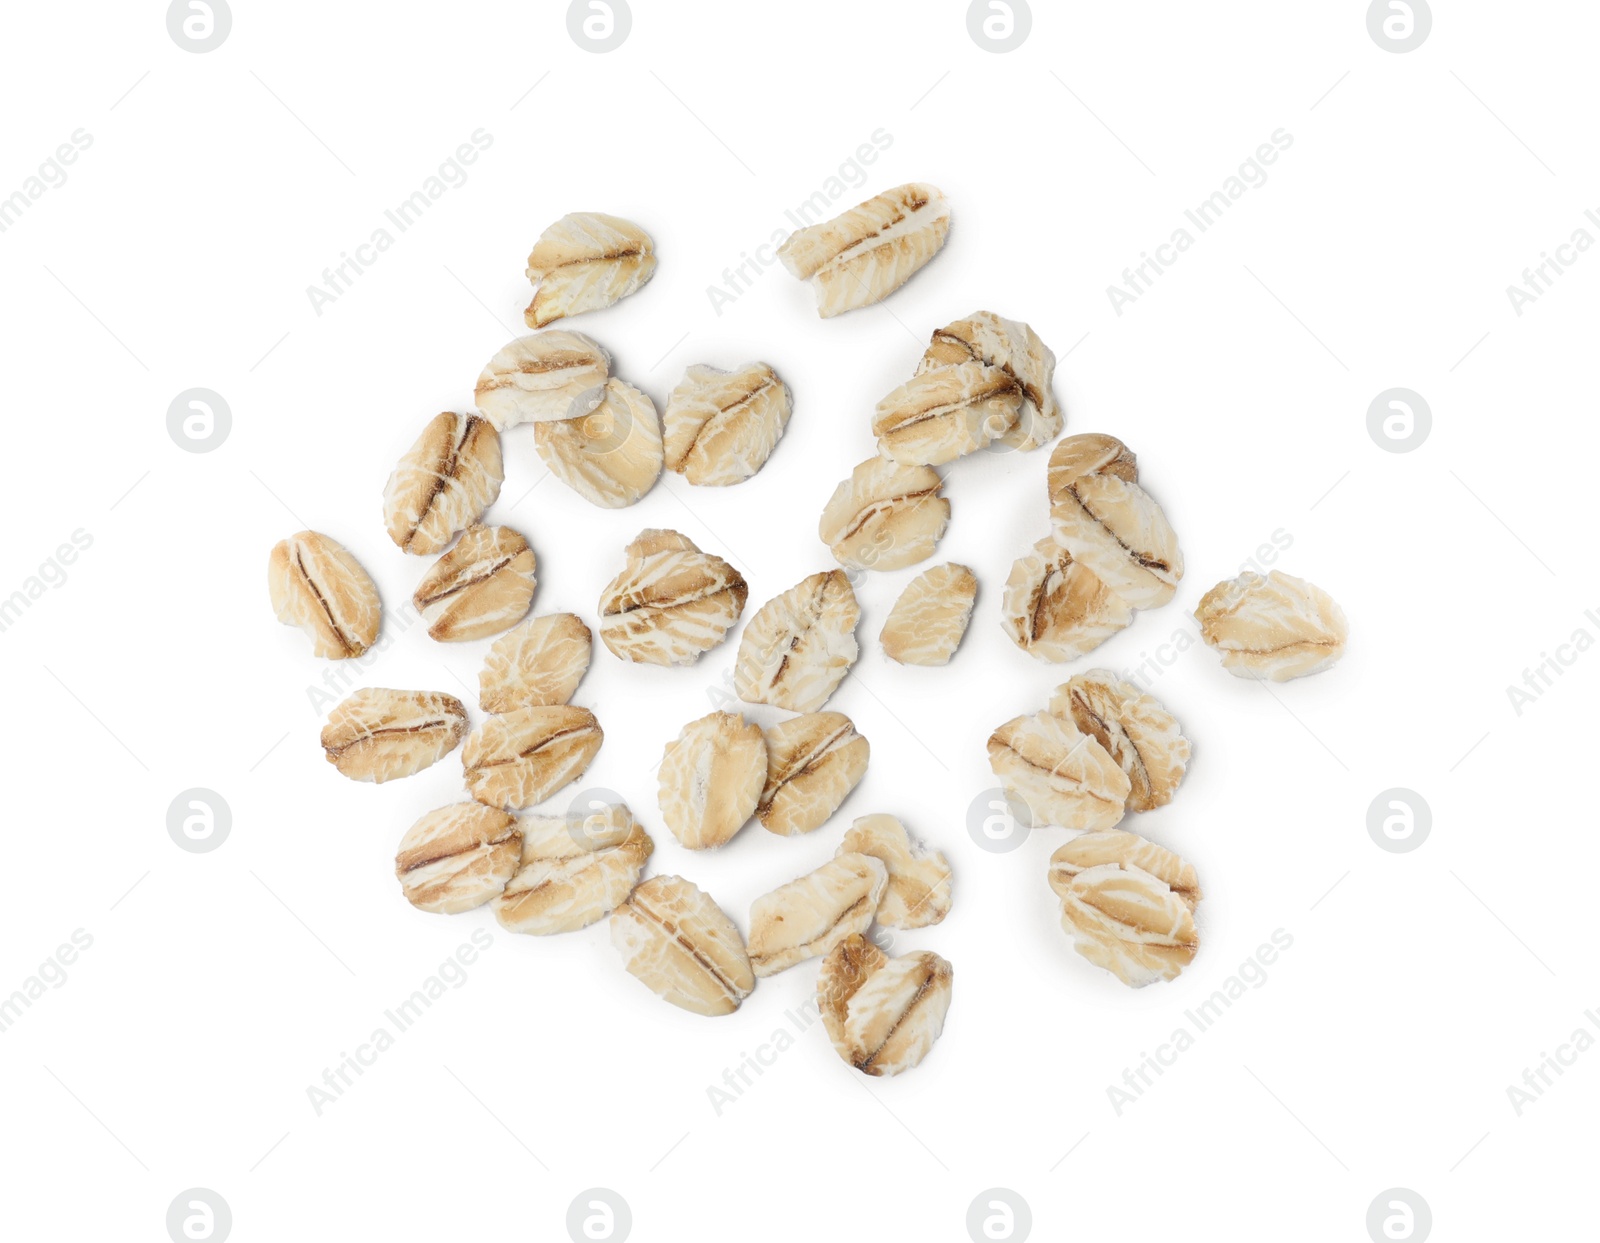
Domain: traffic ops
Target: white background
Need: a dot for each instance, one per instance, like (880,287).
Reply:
(219,986)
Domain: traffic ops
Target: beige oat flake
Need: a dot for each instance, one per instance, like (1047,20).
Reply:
(1141,735)
(813,762)
(809,916)
(722,426)
(1015,349)
(1128,904)
(671,603)
(317,585)
(885,516)
(378,735)
(1278,627)
(610,456)
(444,483)
(550,375)
(537,664)
(711,779)
(682,946)
(865,254)
(1057,609)
(520,758)
(946,413)
(482,586)
(1063,775)
(456,858)
(586,261)
(882,1014)
(918,893)
(574,870)
(799,645)
(927,622)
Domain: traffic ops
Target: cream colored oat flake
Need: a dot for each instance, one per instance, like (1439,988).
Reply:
(722,426)
(317,585)
(611,456)
(885,516)
(378,735)
(679,943)
(537,664)
(1057,609)
(1277,627)
(520,758)
(799,646)
(918,893)
(946,413)
(882,1014)
(813,762)
(456,858)
(586,261)
(1015,349)
(711,778)
(807,917)
(927,622)
(550,375)
(443,484)
(1141,735)
(671,603)
(482,586)
(1063,775)
(865,254)
(574,870)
